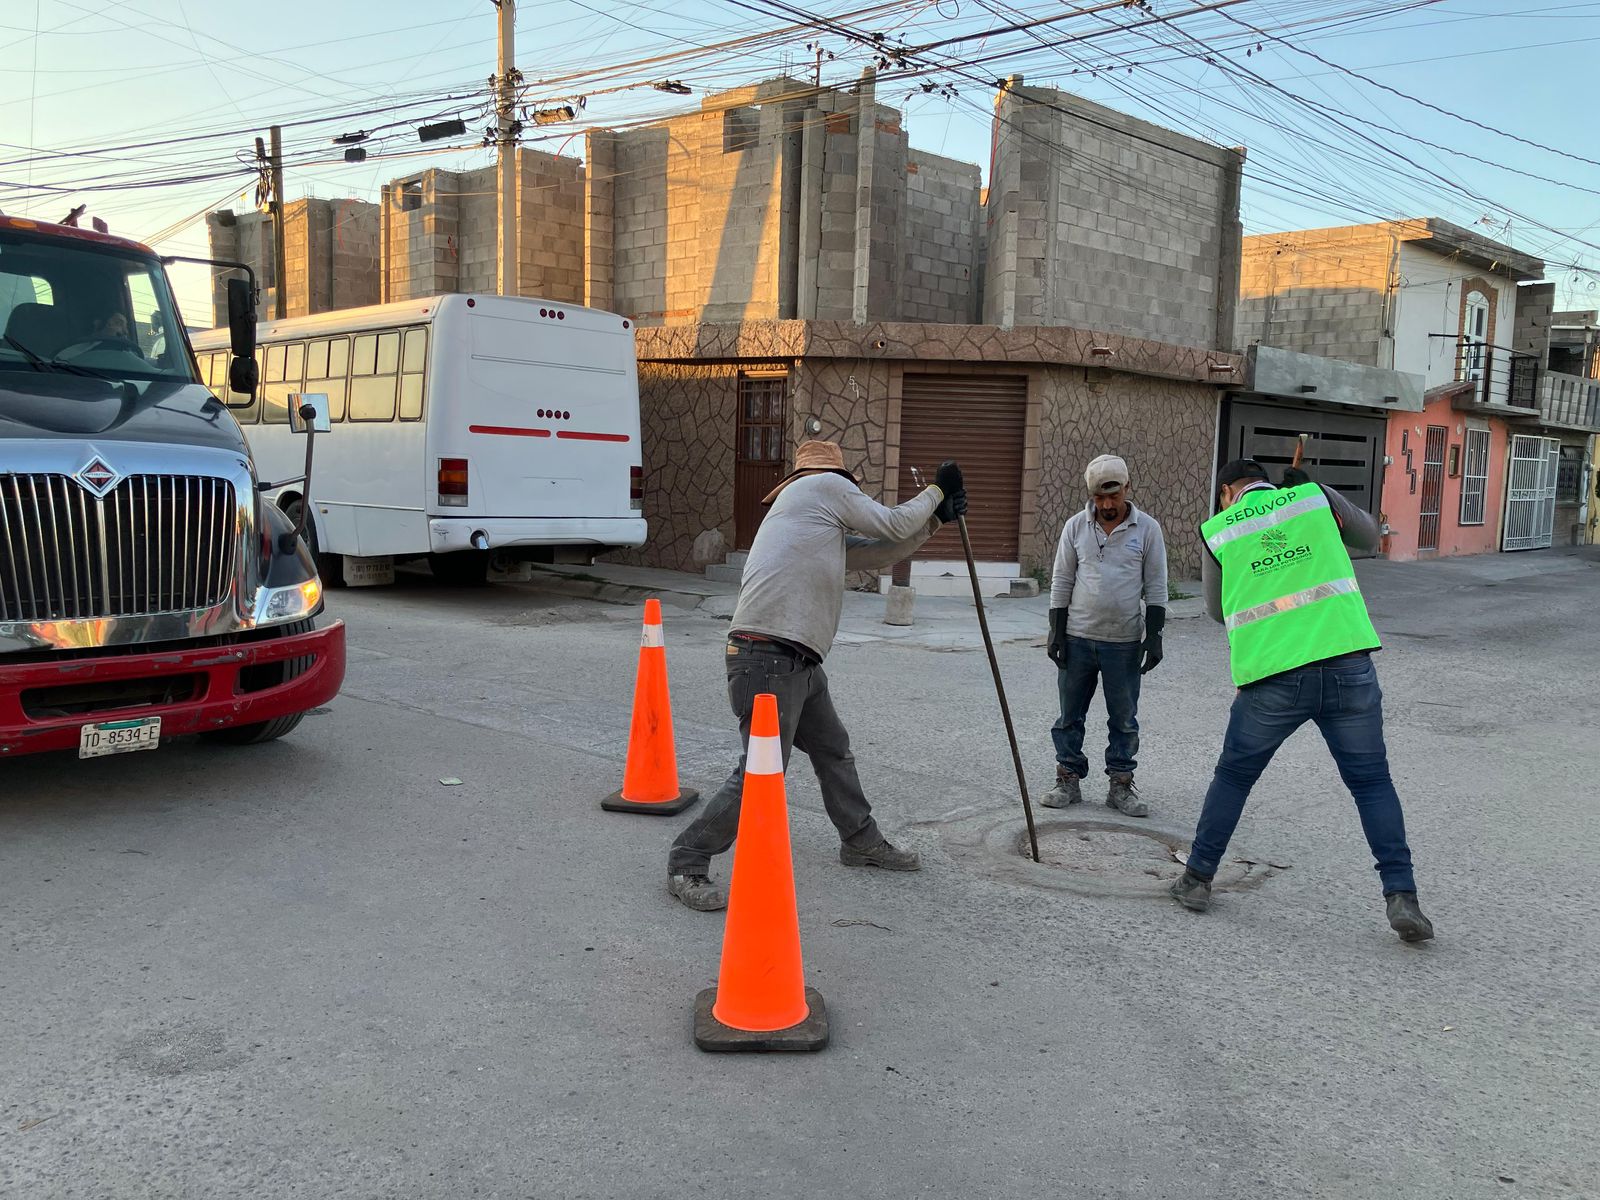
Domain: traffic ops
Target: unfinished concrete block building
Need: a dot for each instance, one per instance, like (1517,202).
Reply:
(799,270)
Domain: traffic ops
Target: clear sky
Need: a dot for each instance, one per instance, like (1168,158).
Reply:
(95,94)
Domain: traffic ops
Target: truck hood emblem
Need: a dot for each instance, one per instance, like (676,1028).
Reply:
(97,477)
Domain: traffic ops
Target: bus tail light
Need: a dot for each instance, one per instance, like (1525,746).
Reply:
(636,488)
(453,482)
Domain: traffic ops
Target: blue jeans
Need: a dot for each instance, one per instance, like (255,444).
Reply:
(1343,698)
(1117,665)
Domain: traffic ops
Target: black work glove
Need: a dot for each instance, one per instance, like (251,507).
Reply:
(948,478)
(1056,647)
(1294,477)
(1154,618)
(952,507)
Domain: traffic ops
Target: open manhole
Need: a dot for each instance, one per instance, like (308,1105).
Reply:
(1092,856)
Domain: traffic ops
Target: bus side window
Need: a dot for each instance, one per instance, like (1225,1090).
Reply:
(275,392)
(327,362)
(373,377)
(412,365)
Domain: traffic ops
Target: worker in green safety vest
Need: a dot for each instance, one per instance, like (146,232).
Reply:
(1277,574)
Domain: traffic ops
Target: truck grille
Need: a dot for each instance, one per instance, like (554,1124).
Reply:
(155,544)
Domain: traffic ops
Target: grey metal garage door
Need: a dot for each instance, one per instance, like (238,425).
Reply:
(1345,451)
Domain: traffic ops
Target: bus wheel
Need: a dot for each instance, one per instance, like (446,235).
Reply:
(462,568)
(329,566)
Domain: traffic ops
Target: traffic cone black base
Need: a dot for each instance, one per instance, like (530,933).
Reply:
(712,1035)
(615,803)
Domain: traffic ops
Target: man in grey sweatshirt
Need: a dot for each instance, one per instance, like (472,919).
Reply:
(820,525)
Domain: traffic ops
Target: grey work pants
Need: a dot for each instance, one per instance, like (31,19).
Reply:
(807,722)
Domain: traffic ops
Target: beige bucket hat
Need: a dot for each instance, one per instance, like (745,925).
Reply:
(810,459)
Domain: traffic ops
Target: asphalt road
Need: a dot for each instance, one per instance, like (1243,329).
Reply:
(311,969)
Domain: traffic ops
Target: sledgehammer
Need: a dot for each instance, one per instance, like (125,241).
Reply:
(1300,450)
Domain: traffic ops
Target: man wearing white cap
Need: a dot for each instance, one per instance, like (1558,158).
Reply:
(1108,603)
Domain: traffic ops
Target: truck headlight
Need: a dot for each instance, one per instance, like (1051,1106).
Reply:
(277,605)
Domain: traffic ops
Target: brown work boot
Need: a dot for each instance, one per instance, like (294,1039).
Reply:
(697,892)
(1068,790)
(882,855)
(1124,797)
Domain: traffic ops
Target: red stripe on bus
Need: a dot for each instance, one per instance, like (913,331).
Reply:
(509,431)
(572,435)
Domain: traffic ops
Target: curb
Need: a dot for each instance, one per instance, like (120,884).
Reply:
(591,588)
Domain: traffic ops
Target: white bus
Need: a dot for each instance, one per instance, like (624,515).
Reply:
(479,431)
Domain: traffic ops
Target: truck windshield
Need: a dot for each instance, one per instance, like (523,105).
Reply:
(83,309)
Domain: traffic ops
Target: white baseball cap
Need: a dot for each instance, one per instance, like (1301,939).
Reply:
(1108,473)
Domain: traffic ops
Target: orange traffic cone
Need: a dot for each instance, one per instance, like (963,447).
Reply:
(761,1001)
(650,779)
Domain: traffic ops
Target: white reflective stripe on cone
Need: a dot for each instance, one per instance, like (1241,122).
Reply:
(764,757)
(1323,591)
(653,637)
(1256,524)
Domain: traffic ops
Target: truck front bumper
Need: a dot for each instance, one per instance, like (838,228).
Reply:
(446,534)
(218,693)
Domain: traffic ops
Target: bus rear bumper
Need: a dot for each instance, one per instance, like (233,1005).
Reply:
(447,534)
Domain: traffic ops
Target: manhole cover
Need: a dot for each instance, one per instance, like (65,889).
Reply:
(1091,856)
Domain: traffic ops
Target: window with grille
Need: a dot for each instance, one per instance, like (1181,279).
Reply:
(1569,476)
(1475,477)
(762,417)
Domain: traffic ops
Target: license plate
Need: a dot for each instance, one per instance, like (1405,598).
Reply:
(119,737)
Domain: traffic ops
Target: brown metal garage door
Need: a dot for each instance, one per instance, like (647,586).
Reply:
(981,422)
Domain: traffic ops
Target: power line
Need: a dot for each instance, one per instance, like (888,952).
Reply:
(1394,91)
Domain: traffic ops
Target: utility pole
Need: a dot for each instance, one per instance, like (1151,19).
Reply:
(506,130)
(280,290)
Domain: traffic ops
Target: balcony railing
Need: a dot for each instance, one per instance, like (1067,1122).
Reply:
(1569,400)
(1498,371)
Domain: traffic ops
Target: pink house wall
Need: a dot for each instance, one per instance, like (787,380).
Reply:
(1402,508)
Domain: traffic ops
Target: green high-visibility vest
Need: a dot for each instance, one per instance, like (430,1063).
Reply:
(1289,593)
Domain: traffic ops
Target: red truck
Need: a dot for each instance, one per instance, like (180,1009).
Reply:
(146,589)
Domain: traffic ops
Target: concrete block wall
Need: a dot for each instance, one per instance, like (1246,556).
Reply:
(1101,221)
(833,148)
(550,227)
(884,217)
(702,216)
(639,237)
(1322,291)
(330,251)
(940,282)
(1535,310)
(239,237)
(353,245)
(599,201)
(451,243)
(424,255)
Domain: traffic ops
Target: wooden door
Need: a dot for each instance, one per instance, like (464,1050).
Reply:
(760,456)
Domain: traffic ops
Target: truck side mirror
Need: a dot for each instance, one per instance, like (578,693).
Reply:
(309,411)
(242,318)
(243,376)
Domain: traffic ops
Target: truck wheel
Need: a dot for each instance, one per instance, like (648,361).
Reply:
(463,568)
(254,735)
(329,566)
(268,731)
